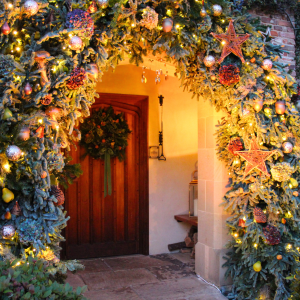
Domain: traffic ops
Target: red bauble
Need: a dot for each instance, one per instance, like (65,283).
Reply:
(5,29)
(53,112)
(27,89)
(229,74)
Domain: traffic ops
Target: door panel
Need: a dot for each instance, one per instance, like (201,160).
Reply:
(114,225)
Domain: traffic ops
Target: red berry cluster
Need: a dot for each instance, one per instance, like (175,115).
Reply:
(229,74)
(235,145)
(80,19)
(77,78)
(272,235)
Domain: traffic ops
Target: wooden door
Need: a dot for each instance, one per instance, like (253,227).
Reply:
(116,224)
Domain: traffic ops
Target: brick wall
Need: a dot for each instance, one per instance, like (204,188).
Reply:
(282,32)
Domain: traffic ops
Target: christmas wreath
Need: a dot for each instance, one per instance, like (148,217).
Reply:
(104,136)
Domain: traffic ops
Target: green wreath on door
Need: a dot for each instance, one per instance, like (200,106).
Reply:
(104,136)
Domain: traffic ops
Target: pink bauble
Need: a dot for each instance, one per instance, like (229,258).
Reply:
(167,25)
(31,7)
(75,43)
(267,64)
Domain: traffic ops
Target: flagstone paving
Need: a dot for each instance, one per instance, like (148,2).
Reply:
(138,277)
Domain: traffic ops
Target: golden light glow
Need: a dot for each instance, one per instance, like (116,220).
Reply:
(177,26)
(223,42)
(169,12)
(15,32)
(132,25)
(64,47)
(70,34)
(57,127)
(278,212)
(255,245)
(289,246)
(10,5)
(40,121)
(235,235)
(18,48)
(6,167)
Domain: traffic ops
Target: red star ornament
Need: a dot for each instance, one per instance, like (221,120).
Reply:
(232,41)
(255,158)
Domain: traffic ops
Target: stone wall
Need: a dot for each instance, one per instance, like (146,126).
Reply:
(282,31)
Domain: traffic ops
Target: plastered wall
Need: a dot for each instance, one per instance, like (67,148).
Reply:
(168,181)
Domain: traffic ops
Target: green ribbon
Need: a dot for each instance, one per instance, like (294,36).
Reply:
(107,175)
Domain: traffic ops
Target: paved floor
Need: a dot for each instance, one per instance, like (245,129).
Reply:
(138,277)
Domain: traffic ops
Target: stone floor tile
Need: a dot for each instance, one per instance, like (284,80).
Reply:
(172,272)
(166,257)
(134,262)
(93,265)
(218,296)
(119,294)
(74,280)
(183,257)
(176,289)
(118,279)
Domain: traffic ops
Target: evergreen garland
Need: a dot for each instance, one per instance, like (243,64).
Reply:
(252,262)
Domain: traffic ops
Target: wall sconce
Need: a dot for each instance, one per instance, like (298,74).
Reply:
(160,136)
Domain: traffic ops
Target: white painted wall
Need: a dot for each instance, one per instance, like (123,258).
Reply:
(168,181)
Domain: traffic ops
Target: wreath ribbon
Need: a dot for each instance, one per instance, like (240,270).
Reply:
(107,175)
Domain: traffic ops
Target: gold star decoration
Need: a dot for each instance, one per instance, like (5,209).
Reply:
(232,42)
(255,158)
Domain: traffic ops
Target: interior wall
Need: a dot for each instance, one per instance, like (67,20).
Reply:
(168,180)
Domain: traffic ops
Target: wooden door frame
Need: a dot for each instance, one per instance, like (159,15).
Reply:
(140,105)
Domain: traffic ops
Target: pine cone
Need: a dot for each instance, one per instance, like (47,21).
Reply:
(272,235)
(229,75)
(58,194)
(259,215)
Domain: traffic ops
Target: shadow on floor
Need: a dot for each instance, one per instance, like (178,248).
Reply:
(138,277)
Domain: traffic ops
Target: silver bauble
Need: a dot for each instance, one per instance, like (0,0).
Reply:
(75,43)
(267,64)
(217,10)
(203,12)
(92,71)
(167,25)
(13,152)
(209,61)
(31,7)
(287,147)
(24,134)
(102,3)
(8,231)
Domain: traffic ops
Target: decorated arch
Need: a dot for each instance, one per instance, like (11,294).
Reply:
(52,54)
